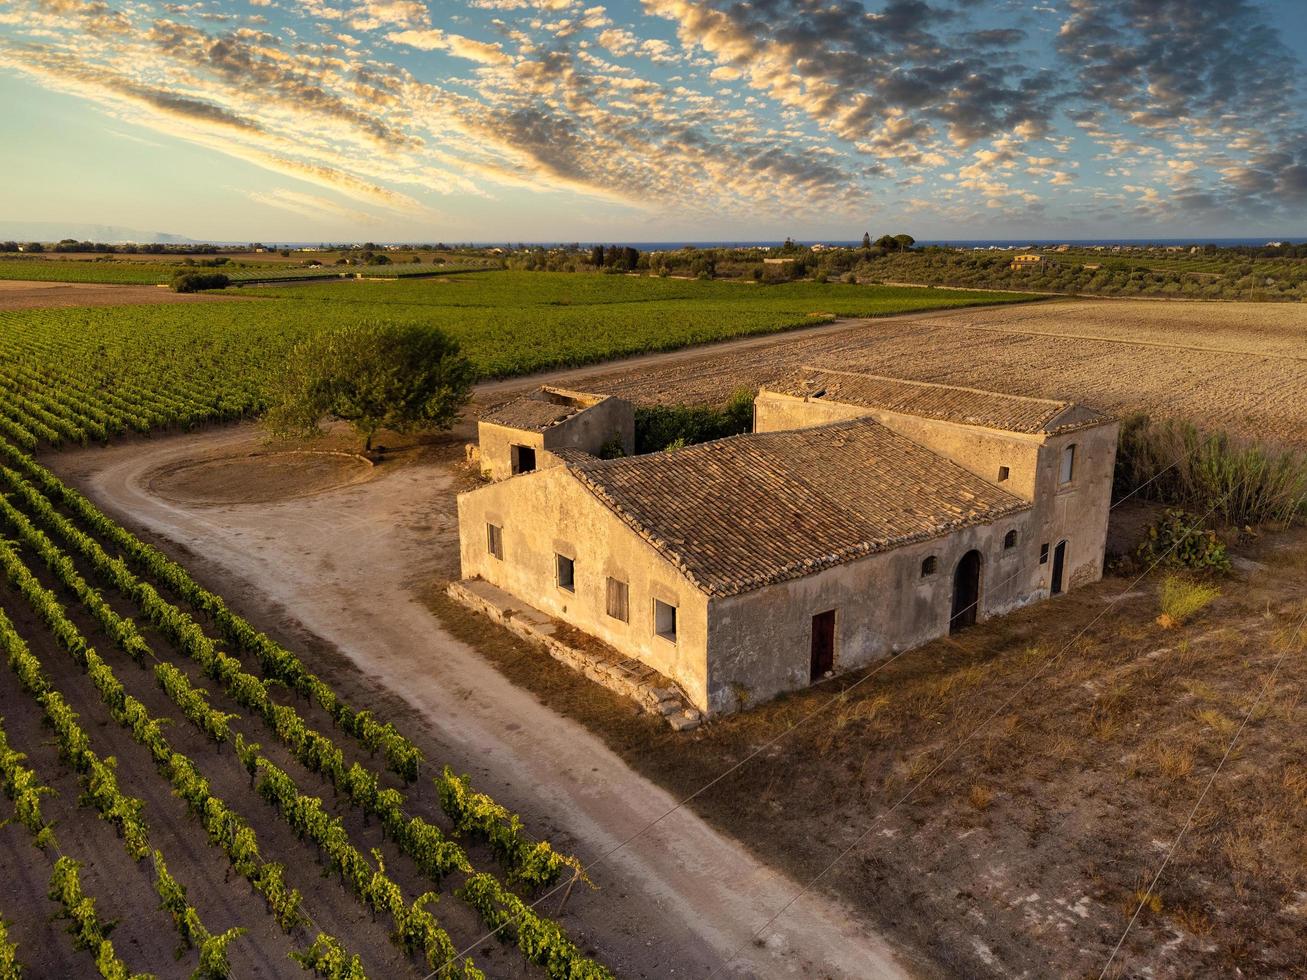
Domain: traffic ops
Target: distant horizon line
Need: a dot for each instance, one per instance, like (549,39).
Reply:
(177,241)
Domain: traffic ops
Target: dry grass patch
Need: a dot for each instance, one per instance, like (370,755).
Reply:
(980,796)
(1096,751)
(1182,599)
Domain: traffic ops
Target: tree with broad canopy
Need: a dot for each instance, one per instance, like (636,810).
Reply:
(378,375)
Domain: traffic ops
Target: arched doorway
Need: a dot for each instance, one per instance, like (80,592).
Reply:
(966,592)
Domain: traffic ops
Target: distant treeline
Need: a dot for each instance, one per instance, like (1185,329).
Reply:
(1201,272)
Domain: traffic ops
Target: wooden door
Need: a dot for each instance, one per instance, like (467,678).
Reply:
(966,592)
(823,645)
(1059,567)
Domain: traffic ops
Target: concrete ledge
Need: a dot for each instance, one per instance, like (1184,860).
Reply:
(654,693)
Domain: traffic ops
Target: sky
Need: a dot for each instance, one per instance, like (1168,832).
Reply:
(656,120)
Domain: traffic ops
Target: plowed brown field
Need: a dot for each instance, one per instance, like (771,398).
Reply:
(1237,366)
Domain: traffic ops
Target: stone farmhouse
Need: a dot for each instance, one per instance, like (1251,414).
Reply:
(863,516)
(525,434)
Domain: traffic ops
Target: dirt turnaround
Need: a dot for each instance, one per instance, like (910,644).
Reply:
(344,574)
(251,478)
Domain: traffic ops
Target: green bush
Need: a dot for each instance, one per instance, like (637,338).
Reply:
(1241,481)
(662,427)
(193,282)
(1179,541)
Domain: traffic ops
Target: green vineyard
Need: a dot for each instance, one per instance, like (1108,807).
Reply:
(87,375)
(142,636)
(251,811)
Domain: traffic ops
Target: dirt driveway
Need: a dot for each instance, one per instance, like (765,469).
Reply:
(342,575)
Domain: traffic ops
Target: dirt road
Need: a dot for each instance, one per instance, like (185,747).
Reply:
(341,573)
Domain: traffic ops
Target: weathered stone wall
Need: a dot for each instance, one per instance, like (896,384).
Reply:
(979,450)
(590,429)
(548,513)
(1076,513)
(496,442)
(760,643)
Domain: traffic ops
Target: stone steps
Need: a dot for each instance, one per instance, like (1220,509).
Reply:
(653,692)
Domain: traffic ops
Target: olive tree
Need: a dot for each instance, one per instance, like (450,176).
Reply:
(374,376)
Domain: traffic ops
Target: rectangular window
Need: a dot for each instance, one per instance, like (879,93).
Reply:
(618,600)
(495,541)
(1068,471)
(524,459)
(1003,474)
(566,572)
(665,620)
(1043,554)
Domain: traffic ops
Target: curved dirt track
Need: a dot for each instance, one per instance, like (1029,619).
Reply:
(348,566)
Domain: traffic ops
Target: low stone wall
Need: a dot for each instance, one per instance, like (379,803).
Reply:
(630,678)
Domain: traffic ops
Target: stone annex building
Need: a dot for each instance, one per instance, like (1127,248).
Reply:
(863,515)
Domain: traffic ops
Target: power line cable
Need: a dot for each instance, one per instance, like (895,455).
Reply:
(1193,812)
(957,748)
(842,695)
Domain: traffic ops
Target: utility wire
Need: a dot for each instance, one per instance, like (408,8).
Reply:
(1175,844)
(769,744)
(970,735)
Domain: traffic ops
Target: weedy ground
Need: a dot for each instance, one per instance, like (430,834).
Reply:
(1001,800)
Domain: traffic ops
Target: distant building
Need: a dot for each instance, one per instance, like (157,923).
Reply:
(1027,260)
(778,261)
(864,516)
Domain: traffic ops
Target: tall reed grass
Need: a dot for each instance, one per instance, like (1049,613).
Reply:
(1240,480)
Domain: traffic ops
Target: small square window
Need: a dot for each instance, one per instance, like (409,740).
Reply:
(1003,473)
(929,566)
(524,459)
(665,620)
(495,541)
(1043,554)
(618,601)
(1009,540)
(566,569)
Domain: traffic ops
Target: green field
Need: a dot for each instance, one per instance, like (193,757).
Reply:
(126,272)
(73,375)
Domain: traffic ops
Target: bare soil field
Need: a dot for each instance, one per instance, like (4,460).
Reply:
(18,294)
(1237,366)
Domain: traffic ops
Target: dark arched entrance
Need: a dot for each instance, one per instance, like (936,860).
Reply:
(966,592)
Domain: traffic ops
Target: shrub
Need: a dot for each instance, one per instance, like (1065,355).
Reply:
(1244,482)
(660,426)
(1179,541)
(1182,599)
(193,282)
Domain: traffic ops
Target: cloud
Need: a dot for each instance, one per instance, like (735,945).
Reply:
(699,108)
(852,70)
(435,39)
(311,206)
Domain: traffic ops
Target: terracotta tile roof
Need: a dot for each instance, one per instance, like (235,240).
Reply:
(738,514)
(949,403)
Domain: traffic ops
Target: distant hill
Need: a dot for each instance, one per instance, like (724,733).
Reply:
(53,231)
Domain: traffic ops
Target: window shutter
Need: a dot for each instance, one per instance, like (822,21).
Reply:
(617,600)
